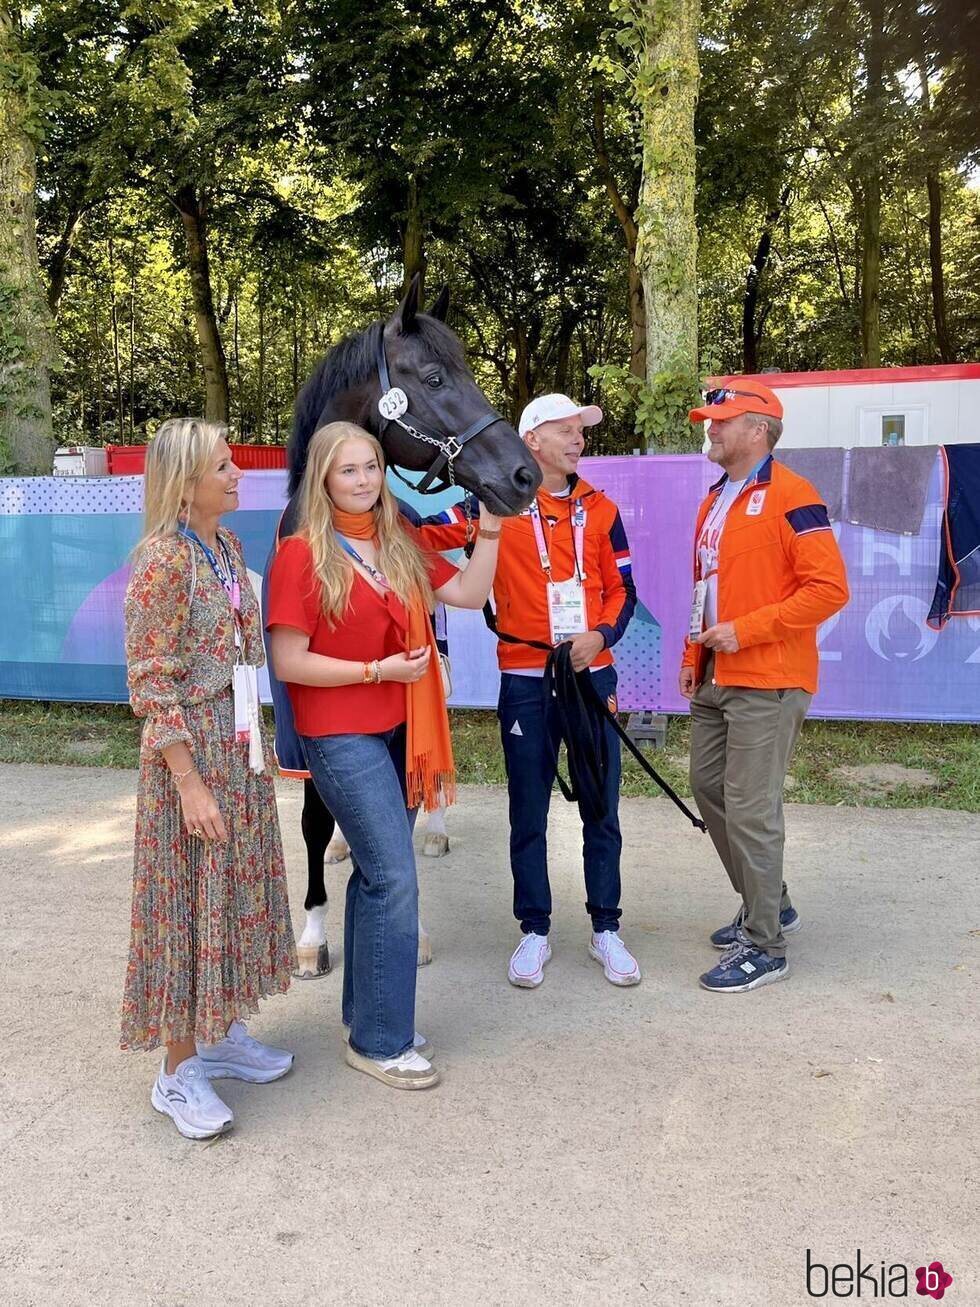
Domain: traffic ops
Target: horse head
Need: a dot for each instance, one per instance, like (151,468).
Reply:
(424,359)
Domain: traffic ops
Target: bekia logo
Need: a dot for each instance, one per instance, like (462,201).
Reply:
(871,1280)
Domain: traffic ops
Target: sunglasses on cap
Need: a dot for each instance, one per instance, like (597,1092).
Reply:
(720,396)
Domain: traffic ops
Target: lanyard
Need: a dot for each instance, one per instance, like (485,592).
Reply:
(228,581)
(348,548)
(578,538)
(711,554)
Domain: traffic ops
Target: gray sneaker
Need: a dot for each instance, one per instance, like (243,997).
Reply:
(407,1071)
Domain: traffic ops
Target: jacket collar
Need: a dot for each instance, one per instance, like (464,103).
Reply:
(762,477)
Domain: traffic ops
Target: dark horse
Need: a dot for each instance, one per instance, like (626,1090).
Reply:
(449,431)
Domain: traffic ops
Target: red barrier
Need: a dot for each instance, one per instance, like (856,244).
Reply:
(129,460)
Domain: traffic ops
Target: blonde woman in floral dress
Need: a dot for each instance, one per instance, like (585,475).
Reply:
(211,932)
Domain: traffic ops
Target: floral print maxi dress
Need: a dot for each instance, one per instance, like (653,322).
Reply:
(211,932)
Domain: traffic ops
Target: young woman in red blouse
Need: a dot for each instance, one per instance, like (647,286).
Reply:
(348,611)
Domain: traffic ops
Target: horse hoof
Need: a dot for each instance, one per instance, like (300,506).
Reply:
(425,948)
(435,846)
(337,851)
(313,961)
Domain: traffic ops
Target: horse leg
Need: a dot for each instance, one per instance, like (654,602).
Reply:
(436,843)
(338,848)
(312,951)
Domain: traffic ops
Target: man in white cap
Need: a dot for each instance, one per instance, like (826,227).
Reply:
(563,574)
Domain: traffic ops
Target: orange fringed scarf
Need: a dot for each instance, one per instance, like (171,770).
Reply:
(429,768)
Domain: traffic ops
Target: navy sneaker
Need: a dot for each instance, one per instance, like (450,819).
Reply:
(731,934)
(744,967)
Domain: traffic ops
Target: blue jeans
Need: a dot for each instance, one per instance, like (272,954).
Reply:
(361,779)
(529,731)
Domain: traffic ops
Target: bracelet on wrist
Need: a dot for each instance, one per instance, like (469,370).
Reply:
(490,535)
(377,671)
(180,776)
(367,674)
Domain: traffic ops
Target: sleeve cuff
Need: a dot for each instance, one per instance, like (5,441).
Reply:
(607,633)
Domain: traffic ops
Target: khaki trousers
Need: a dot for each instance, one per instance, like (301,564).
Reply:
(741,744)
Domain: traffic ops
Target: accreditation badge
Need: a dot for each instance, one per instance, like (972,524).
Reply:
(566,609)
(696,626)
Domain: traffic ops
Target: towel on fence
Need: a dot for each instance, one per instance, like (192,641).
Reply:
(887,487)
(958,584)
(824,469)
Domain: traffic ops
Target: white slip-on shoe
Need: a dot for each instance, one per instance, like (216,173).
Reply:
(240,1056)
(527,962)
(420,1044)
(407,1071)
(618,963)
(188,1099)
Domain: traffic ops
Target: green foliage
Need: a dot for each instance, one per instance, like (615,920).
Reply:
(308,133)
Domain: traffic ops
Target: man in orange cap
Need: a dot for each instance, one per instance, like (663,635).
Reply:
(767,572)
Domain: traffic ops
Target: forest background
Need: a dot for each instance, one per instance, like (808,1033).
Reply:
(202,196)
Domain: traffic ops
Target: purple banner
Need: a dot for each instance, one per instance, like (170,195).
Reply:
(64,544)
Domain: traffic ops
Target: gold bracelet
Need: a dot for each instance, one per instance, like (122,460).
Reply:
(367,674)
(489,535)
(178,776)
(377,672)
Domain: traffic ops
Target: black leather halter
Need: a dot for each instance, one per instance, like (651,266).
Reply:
(393,407)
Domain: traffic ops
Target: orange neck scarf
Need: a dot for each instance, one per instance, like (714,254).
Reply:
(429,768)
(357,526)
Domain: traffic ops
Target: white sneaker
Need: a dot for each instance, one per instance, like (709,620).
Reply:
(420,1044)
(407,1071)
(241,1057)
(188,1099)
(618,963)
(527,961)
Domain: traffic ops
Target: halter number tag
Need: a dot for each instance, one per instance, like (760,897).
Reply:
(393,403)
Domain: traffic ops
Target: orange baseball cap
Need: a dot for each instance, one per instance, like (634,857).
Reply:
(737,395)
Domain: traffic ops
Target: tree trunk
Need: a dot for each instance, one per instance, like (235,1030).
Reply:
(667,87)
(871,198)
(943,340)
(751,332)
(627,220)
(58,265)
(193,215)
(114,320)
(27,348)
(413,244)
(260,402)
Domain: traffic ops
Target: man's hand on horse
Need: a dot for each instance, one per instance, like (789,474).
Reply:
(585,649)
(721,637)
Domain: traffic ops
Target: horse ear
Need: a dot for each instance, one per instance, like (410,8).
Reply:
(441,307)
(409,306)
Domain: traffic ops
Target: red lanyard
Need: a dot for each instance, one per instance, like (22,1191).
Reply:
(578,538)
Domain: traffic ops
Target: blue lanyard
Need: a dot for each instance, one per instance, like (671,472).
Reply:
(230,582)
(348,548)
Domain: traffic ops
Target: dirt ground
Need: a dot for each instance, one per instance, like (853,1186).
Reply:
(660,1145)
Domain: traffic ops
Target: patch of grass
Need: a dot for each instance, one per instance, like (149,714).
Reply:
(107,735)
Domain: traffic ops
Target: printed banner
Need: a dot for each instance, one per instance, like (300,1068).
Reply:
(65,542)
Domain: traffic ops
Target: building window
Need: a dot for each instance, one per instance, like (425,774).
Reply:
(893,429)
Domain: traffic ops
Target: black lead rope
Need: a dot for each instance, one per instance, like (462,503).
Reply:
(582,713)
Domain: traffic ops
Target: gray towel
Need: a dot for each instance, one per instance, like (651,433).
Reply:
(824,469)
(887,487)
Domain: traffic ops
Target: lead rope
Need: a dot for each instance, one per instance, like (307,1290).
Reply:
(581,712)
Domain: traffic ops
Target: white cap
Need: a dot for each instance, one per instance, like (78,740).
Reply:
(551,408)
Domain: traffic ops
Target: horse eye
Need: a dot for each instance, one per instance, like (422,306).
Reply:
(434,382)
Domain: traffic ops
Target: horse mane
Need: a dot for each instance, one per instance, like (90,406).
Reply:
(351,362)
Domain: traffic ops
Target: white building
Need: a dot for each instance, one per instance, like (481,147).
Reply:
(876,406)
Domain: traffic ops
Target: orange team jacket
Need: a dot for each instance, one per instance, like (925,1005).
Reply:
(519,587)
(780,574)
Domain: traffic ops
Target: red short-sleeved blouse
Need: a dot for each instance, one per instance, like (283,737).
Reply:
(374,626)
